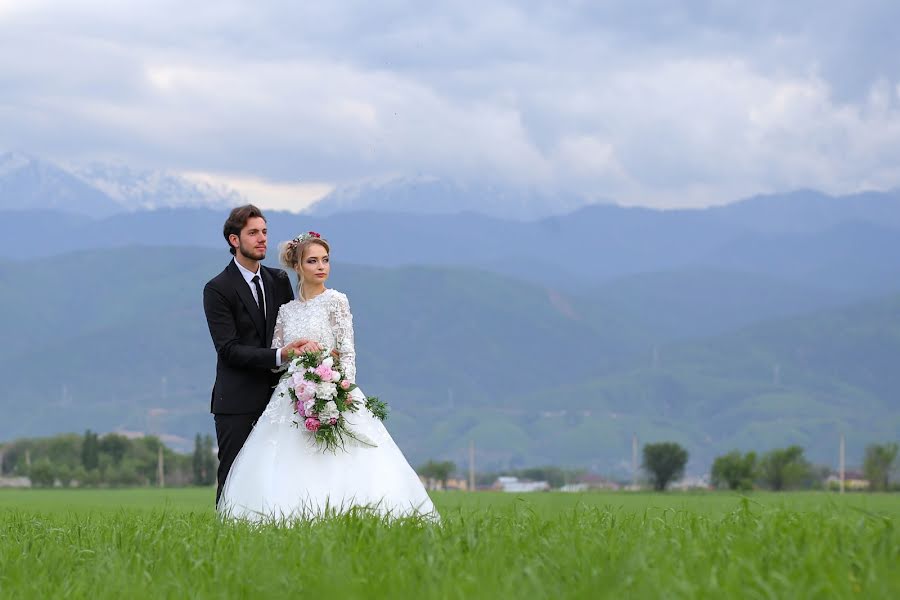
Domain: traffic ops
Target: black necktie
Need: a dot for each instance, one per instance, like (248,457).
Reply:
(260,300)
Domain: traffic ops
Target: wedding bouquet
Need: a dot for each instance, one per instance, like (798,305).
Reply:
(321,396)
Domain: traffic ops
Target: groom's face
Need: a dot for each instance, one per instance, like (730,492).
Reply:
(252,242)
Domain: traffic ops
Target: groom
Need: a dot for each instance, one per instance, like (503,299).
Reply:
(241,304)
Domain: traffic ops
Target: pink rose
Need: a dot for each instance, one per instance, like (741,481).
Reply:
(305,390)
(312,424)
(333,421)
(324,372)
(345,385)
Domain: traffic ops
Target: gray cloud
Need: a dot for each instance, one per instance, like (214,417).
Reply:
(655,103)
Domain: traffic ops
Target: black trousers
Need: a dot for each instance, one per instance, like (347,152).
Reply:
(231,432)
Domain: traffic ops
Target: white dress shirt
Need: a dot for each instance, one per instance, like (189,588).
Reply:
(248,277)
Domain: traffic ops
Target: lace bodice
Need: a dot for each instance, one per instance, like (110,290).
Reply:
(325,319)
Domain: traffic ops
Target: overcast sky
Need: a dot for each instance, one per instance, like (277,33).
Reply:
(659,103)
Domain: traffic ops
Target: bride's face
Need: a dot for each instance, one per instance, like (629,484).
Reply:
(314,268)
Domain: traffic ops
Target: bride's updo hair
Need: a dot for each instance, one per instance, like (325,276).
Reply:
(291,253)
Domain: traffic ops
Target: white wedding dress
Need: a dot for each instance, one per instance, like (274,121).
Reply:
(280,473)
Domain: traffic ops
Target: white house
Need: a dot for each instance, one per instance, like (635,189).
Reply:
(513,484)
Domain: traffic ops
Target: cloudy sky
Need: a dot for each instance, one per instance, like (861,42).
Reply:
(657,103)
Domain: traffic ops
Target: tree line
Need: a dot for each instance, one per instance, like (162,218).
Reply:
(110,460)
(777,470)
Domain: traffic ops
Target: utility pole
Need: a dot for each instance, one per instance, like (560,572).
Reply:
(471,465)
(841,463)
(634,460)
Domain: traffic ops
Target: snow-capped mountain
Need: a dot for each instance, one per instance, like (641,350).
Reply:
(135,189)
(432,195)
(28,183)
(98,190)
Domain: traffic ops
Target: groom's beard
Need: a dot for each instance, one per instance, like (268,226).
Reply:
(252,253)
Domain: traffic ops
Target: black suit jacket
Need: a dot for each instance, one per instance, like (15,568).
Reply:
(244,377)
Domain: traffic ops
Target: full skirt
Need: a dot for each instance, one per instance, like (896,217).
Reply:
(280,474)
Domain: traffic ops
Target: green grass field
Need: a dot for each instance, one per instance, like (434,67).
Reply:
(169,543)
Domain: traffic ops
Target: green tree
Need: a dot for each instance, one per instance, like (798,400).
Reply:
(126,473)
(91,478)
(878,464)
(209,461)
(42,473)
(664,463)
(734,470)
(784,468)
(79,474)
(90,451)
(63,473)
(197,460)
(115,446)
(438,470)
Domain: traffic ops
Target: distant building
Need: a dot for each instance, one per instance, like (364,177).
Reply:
(515,485)
(457,484)
(854,481)
(15,482)
(597,482)
(691,483)
(575,487)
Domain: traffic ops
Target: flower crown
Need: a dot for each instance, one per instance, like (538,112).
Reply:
(309,235)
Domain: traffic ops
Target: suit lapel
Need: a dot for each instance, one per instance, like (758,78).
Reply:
(243,290)
(271,306)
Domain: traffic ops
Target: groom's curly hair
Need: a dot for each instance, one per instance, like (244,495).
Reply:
(237,220)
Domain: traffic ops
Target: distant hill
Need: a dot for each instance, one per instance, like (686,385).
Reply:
(533,374)
(806,211)
(575,252)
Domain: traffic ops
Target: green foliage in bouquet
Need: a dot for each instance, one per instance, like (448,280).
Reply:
(322,394)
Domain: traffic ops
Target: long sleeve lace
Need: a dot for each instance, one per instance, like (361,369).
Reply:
(278,341)
(278,336)
(342,324)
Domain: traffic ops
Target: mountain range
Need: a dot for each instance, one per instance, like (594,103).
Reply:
(551,339)
(100,190)
(117,340)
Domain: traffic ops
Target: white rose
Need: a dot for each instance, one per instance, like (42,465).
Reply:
(325,390)
(328,362)
(335,376)
(329,412)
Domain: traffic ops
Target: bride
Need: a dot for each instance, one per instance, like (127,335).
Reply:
(280,473)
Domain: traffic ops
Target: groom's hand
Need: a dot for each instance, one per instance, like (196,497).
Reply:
(300,347)
(293,349)
(310,347)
